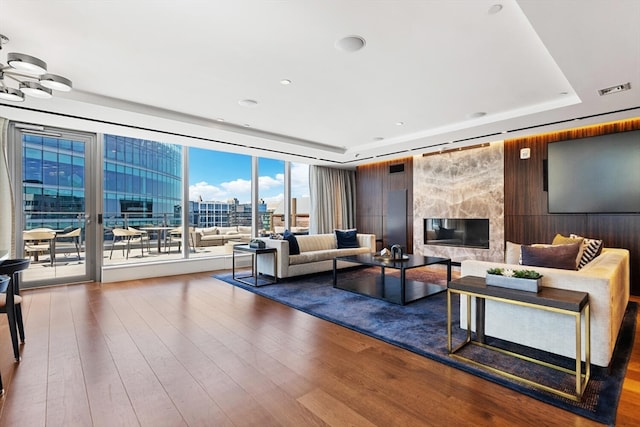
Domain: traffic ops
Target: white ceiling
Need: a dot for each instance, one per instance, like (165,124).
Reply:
(177,67)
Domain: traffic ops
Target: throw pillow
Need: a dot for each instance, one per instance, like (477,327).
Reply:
(559,239)
(558,256)
(592,248)
(347,238)
(294,249)
(512,253)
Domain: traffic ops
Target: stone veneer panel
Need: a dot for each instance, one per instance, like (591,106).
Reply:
(460,184)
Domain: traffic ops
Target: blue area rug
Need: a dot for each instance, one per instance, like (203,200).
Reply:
(421,328)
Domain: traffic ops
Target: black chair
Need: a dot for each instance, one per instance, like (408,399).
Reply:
(10,300)
(4,283)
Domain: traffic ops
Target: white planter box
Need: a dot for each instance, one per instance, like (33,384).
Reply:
(530,285)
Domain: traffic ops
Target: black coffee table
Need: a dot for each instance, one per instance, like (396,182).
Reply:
(392,288)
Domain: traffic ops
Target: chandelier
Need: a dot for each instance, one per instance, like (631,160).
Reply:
(30,75)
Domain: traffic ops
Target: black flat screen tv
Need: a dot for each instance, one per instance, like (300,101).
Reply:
(600,174)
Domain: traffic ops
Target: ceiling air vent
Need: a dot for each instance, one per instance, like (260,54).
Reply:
(396,168)
(614,89)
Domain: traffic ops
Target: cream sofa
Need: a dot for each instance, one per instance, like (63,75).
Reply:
(216,236)
(606,279)
(316,254)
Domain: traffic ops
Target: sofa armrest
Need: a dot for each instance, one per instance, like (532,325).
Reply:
(367,241)
(282,252)
(195,237)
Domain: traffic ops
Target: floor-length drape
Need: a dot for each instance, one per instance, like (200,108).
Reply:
(7,211)
(333,199)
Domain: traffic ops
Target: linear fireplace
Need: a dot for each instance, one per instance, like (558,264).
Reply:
(461,232)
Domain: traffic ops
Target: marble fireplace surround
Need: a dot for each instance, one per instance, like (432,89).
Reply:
(460,184)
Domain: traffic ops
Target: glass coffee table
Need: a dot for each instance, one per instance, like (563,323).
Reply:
(395,288)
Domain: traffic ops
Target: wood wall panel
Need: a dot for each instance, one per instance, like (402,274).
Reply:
(526,215)
(373,185)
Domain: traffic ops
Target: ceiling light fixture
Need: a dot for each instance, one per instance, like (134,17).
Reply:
(350,44)
(285,82)
(30,73)
(248,103)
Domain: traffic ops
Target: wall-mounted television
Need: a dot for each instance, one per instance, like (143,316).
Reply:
(600,174)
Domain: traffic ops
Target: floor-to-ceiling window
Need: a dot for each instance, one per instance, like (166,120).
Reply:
(220,208)
(300,202)
(142,199)
(270,193)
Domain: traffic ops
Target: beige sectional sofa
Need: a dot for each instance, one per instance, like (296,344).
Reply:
(316,254)
(216,236)
(606,279)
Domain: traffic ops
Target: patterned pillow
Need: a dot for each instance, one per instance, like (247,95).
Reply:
(592,248)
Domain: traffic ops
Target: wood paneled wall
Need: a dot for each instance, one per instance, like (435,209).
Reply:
(526,214)
(374,181)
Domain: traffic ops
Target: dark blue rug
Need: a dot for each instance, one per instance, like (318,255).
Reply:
(421,328)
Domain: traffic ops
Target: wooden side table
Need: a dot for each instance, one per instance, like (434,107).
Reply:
(571,303)
(258,279)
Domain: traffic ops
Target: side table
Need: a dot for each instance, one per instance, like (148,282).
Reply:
(572,303)
(258,279)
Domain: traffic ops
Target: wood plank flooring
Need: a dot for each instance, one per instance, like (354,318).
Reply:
(192,351)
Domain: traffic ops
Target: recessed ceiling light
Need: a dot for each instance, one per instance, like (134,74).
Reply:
(399,123)
(350,43)
(248,102)
(220,119)
(378,138)
(476,115)
(495,9)
(285,82)
(247,125)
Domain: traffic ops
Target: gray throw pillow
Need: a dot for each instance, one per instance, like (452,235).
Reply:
(557,256)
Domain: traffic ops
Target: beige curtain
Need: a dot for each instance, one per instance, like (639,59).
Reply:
(7,211)
(333,199)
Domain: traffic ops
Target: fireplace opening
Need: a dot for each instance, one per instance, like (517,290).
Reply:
(460,232)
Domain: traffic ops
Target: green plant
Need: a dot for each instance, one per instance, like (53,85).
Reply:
(520,274)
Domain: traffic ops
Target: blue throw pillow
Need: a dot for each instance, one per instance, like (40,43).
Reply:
(347,238)
(294,249)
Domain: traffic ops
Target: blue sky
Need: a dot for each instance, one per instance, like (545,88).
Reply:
(218,176)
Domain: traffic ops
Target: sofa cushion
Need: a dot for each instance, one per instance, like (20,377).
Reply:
(512,253)
(347,238)
(209,231)
(559,239)
(554,256)
(294,249)
(324,255)
(591,249)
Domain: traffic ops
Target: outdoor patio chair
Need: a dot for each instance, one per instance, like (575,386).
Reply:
(124,238)
(144,237)
(69,240)
(176,234)
(39,241)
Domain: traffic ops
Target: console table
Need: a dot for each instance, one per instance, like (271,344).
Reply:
(255,275)
(571,303)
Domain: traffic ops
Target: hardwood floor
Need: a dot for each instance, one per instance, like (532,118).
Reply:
(193,351)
